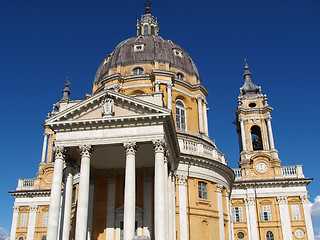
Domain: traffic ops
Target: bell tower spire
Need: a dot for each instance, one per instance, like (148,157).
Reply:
(148,25)
(253,120)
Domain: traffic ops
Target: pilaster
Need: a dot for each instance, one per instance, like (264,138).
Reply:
(182,183)
(220,206)
(307,216)
(285,217)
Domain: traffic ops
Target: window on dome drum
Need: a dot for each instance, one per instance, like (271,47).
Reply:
(202,189)
(270,235)
(180,115)
(265,215)
(145,30)
(295,212)
(237,215)
(180,76)
(256,138)
(23,219)
(137,71)
(45,219)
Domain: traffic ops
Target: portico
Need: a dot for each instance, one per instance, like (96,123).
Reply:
(122,152)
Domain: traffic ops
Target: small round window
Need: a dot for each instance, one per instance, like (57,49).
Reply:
(240,235)
(137,71)
(252,104)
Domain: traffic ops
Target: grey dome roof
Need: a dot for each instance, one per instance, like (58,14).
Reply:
(155,49)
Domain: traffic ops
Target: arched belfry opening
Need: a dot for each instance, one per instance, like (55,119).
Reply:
(256,138)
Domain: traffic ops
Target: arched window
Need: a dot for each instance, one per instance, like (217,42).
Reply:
(270,235)
(180,76)
(44,238)
(152,30)
(145,30)
(202,189)
(21,238)
(256,138)
(137,71)
(180,115)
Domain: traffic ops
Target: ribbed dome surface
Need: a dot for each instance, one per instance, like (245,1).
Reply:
(155,49)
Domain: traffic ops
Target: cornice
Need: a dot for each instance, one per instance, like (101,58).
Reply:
(208,164)
(254,110)
(105,123)
(263,183)
(31,193)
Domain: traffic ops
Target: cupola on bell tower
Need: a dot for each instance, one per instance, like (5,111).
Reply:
(253,120)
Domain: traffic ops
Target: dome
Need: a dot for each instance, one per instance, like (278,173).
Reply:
(147,49)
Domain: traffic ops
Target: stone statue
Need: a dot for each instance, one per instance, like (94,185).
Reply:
(107,106)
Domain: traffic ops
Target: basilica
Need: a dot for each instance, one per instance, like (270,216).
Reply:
(134,160)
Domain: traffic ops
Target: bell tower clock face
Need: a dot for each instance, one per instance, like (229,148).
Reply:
(261,167)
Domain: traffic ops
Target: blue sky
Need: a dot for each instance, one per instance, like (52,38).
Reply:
(43,41)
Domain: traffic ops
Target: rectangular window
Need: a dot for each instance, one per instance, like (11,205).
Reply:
(202,189)
(265,215)
(295,210)
(45,219)
(237,214)
(23,219)
(74,190)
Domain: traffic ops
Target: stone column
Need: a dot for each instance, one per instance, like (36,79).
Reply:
(159,191)
(147,205)
(205,118)
(271,140)
(307,216)
(182,182)
(90,213)
(111,207)
(221,218)
(44,147)
(14,223)
(68,189)
(130,191)
(285,218)
(200,117)
(166,194)
(243,136)
(32,222)
(169,95)
(251,218)
(55,196)
(83,193)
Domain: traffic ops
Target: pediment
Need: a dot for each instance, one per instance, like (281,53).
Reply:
(108,105)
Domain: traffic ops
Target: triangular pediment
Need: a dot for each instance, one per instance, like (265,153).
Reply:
(107,105)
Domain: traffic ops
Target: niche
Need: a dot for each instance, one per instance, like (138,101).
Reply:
(256,138)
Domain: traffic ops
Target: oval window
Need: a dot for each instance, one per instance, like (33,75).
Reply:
(240,235)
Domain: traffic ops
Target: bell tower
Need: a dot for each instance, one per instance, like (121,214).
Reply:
(258,155)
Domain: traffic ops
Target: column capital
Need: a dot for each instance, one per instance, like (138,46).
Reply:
(282,200)
(33,208)
(219,188)
(60,152)
(241,119)
(131,148)
(86,150)
(249,201)
(182,179)
(16,209)
(169,85)
(159,145)
(304,198)
(268,118)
